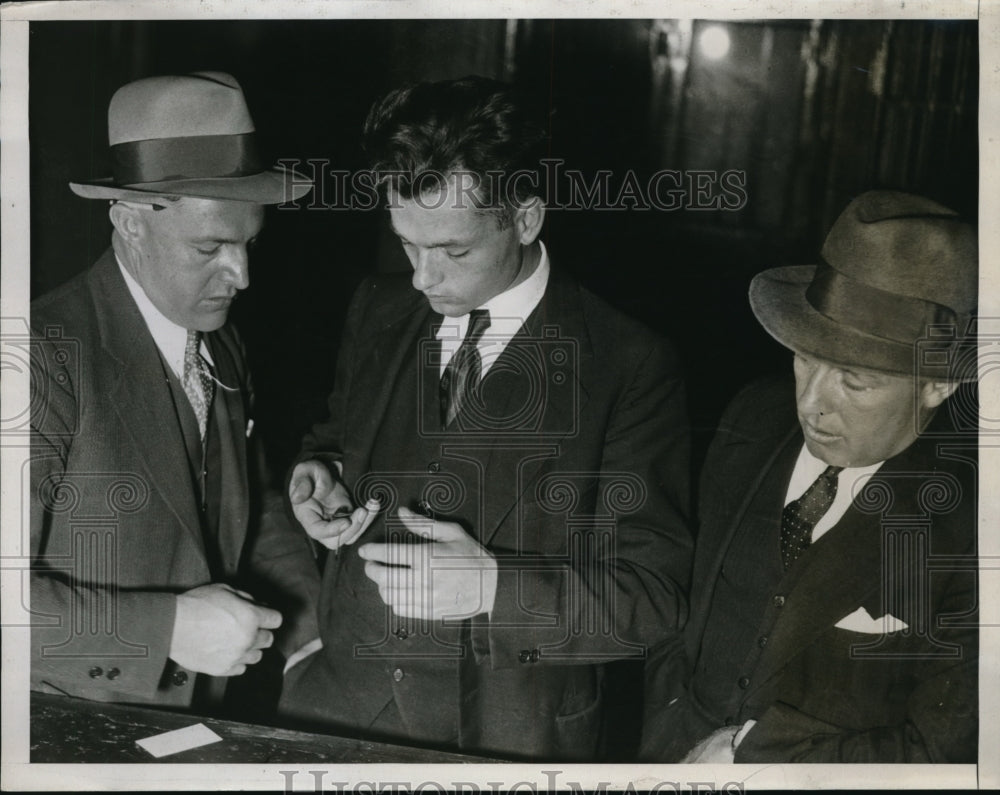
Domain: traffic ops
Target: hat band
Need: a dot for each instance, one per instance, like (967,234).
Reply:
(195,157)
(882,314)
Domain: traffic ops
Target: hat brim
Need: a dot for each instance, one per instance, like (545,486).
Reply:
(268,187)
(778,300)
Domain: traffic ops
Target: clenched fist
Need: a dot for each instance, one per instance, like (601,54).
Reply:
(220,631)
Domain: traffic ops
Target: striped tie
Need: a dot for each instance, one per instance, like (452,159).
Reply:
(462,375)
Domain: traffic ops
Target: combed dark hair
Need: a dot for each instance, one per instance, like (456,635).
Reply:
(418,135)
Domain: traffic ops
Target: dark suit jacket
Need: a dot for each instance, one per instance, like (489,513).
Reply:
(820,693)
(608,448)
(115,530)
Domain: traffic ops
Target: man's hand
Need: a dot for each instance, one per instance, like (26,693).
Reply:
(452,576)
(220,631)
(323,507)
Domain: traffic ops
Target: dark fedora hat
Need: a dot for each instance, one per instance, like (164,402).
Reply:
(895,291)
(187,135)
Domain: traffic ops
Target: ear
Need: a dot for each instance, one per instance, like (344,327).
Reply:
(128,222)
(934,393)
(528,220)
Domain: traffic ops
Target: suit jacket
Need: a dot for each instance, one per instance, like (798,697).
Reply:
(605,452)
(115,527)
(825,679)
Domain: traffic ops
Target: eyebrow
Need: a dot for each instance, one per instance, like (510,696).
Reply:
(861,374)
(234,240)
(443,244)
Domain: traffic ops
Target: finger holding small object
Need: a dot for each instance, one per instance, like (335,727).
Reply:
(342,512)
(328,532)
(361,520)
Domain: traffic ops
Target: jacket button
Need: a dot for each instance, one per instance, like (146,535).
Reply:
(778,601)
(95,672)
(401,633)
(762,641)
(534,655)
(179,678)
(524,656)
(398,674)
(434,466)
(743,682)
(113,673)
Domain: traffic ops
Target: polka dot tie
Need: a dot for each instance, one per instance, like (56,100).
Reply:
(464,371)
(800,516)
(197,380)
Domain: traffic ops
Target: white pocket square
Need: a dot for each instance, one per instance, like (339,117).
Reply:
(861,621)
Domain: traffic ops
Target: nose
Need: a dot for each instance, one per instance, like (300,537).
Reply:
(236,266)
(426,274)
(813,382)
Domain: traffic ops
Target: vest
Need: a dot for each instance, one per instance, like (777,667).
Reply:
(205,463)
(412,665)
(741,616)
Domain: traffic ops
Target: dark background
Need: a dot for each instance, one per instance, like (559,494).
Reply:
(813,112)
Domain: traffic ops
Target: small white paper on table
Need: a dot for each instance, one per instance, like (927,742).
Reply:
(179,740)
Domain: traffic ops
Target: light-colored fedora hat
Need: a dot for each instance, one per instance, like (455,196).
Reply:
(187,135)
(895,291)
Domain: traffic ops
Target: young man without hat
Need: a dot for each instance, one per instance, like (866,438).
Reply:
(503,476)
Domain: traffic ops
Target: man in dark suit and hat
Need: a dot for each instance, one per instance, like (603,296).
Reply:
(143,476)
(834,601)
(509,455)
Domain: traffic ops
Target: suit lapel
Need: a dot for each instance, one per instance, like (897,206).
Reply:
(228,411)
(557,323)
(141,394)
(396,327)
(776,441)
(842,570)
(837,574)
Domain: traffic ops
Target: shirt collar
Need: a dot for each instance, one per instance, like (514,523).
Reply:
(808,467)
(170,338)
(509,309)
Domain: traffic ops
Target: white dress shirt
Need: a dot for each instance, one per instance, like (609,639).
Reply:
(508,311)
(850,481)
(170,338)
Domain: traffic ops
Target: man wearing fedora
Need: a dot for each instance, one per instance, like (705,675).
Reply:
(834,597)
(145,523)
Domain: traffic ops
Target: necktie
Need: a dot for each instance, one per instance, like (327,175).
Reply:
(800,516)
(197,380)
(462,375)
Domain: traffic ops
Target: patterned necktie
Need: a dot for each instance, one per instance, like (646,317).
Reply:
(462,375)
(197,381)
(800,516)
